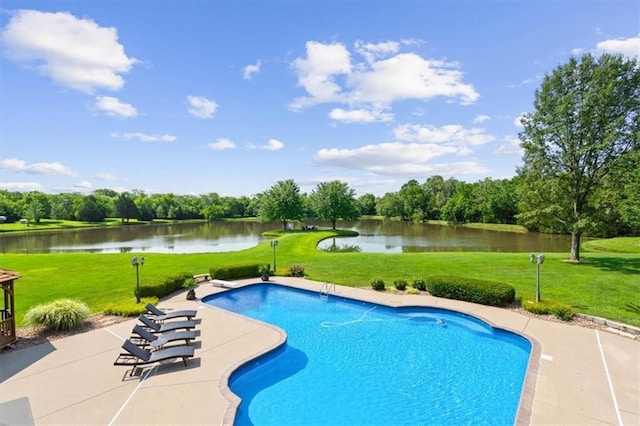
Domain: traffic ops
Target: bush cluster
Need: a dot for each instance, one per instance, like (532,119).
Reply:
(419,284)
(377,284)
(400,284)
(559,310)
(228,272)
(471,290)
(59,315)
(296,271)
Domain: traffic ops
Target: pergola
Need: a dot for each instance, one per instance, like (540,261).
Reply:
(7,317)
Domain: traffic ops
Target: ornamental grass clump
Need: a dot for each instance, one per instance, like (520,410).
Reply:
(59,315)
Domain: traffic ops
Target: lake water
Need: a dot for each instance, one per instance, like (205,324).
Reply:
(375,236)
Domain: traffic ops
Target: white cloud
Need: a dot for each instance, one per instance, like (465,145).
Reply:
(84,185)
(21,186)
(112,106)
(628,47)
(250,70)
(143,137)
(316,73)
(396,159)
(202,107)
(75,53)
(109,177)
(360,115)
(273,145)
(222,144)
(511,146)
(518,121)
(451,134)
(19,166)
(328,75)
(373,51)
(481,118)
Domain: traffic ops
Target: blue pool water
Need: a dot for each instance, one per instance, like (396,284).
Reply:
(348,362)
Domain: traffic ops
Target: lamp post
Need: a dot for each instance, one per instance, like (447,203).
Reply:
(538,260)
(274,244)
(136,263)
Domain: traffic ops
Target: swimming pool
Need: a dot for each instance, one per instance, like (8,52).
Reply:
(348,362)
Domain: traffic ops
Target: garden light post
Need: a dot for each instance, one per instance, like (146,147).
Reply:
(274,244)
(538,260)
(137,262)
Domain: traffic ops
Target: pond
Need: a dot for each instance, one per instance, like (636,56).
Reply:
(378,236)
(208,237)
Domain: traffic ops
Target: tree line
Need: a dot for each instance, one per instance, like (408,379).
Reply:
(580,174)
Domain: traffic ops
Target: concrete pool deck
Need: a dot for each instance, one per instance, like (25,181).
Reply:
(578,376)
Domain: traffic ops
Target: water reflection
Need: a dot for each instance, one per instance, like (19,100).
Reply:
(152,238)
(375,237)
(401,237)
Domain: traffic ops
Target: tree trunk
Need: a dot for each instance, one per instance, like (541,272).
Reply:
(575,247)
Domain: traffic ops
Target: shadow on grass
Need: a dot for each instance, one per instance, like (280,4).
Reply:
(613,264)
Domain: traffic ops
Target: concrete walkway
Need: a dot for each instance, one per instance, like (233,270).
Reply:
(576,376)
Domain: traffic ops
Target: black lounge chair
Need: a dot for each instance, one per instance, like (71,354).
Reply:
(160,315)
(156,327)
(145,337)
(136,355)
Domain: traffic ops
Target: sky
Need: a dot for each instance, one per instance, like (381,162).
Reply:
(196,97)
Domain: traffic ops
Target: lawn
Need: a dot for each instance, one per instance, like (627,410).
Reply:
(601,285)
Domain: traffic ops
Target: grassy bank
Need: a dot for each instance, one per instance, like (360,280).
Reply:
(601,285)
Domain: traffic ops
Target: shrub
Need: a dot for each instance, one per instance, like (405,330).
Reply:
(559,310)
(538,308)
(296,271)
(129,308)
(420,284)
(413,291)
(59,315)
(227,272)
(377,284)
(562,311)
(471,290)
(400,284)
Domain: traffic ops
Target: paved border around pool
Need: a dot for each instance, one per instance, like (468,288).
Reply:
(581,376)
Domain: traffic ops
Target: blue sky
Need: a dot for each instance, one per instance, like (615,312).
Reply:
(195,96)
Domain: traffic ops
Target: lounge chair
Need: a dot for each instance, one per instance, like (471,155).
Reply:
(145,337)
(138,356)
(156,327)
(160,315)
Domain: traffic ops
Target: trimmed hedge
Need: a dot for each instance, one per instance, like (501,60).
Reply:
(169,285)
(228,272)
(471,290)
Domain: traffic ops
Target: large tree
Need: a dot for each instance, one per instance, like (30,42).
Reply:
(125,207)
(281,202)
(586,121)
(334,200)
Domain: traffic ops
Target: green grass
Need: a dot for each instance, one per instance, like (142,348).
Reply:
(614,245)
(601,285)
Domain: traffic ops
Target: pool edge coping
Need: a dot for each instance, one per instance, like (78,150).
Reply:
(525,402)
